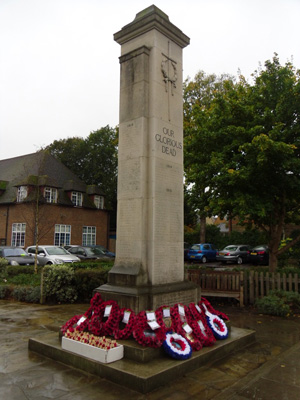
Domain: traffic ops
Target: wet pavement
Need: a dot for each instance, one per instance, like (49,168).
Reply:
(267,369)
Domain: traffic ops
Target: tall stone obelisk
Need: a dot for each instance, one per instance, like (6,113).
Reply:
(149,265)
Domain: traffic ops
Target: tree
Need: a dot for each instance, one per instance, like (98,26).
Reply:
(199,141)
(94,160)
(254,172)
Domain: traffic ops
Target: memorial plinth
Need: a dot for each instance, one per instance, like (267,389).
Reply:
(149,265)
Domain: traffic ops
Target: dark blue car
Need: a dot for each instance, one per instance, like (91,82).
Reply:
(202,252)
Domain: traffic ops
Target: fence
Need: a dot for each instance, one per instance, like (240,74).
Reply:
(245,286)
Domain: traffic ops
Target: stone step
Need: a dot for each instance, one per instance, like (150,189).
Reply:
(154,369)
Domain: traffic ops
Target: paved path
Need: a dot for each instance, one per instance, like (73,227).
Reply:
(268,369)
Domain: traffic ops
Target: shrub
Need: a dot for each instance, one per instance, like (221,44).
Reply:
(25,279)
(13,270)
(5,291)
(27,294)
(290,298)
(279,302)
(105,264)
(59,284)
(3,264)
(273,305)
(87,280)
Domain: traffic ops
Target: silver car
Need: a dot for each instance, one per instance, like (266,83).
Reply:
(52,255)
(238,254)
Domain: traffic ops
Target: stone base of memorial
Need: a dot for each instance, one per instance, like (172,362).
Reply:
(92,352)
(139,298)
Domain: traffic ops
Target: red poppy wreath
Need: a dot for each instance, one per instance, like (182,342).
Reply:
(147,330)
(180,316)
(200,326)
(105,318)
(126,322)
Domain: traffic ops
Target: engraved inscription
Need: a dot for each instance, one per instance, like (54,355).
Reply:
(169,144)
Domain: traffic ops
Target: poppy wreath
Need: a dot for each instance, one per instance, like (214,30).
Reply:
(210,308)
(108,323)
(83,325)
(124,330)
(70,324)
(181,322)
(200,326)
(95,302)
(217,325)
(177,346)
(163,320)
(143,333)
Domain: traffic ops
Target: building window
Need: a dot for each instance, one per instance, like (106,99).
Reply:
(50,194)
(62,236)
(21,193)
(77,199)
(99,202)
(88,235)
(18,235)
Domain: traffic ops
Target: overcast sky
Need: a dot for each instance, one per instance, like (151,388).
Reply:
(59,67)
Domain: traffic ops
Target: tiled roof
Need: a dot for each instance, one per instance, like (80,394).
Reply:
(24,170)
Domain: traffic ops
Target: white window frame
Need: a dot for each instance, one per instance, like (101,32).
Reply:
(99,202)
(89,235)
(50,194)
(62,235)
(22,192)
(76,198)
(18,234)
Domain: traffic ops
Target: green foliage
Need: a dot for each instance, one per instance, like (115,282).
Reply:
(59,284)
(3,264)
(27,294)
(25,279)
(291,298)
(14,270)
(273,305)
(279,302)
(98,264)
(88,280)
(62,283)
(5,291)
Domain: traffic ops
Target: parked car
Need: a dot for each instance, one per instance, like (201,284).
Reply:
(106,251)
(16,255)
(187,247)
(52,255)
(238,254)
(260,255)
(102,249)
(88,252)
(202,252)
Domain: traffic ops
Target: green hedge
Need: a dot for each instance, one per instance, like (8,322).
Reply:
(61,283)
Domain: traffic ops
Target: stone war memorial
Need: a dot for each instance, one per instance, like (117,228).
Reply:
(161,339)
(149,265)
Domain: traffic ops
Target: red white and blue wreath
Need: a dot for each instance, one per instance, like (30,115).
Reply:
(177,346)
(217,325)
(209,307)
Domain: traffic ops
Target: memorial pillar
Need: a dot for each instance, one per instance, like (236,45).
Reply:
(149,266)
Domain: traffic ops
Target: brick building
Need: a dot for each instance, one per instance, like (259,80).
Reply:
(42,201)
